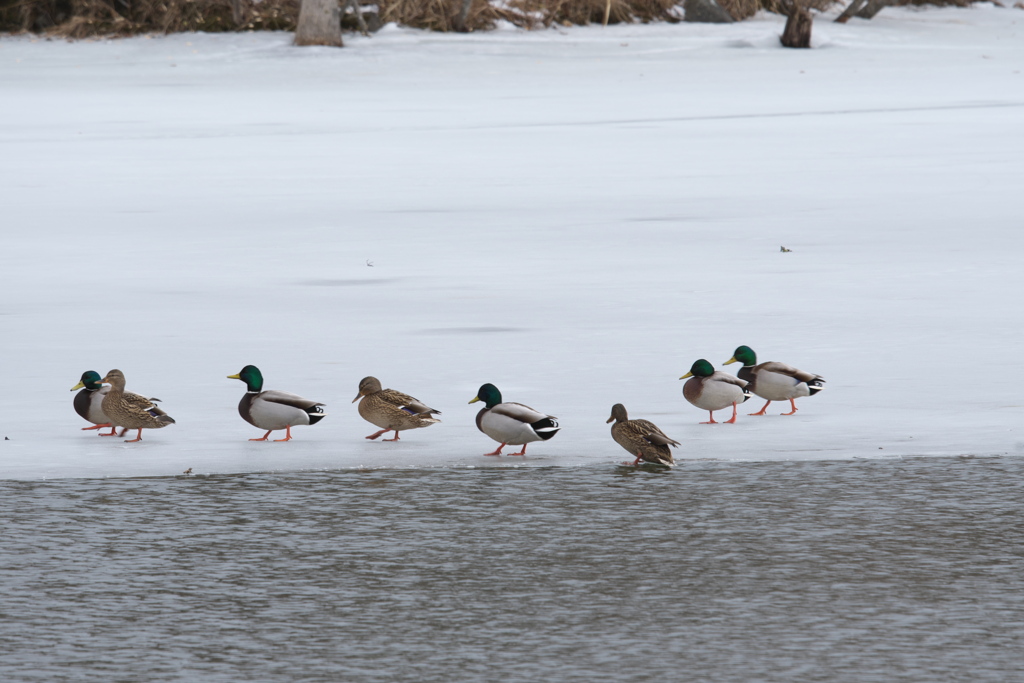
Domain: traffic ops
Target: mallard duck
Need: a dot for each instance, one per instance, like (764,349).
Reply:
(89,402)
(713,390)
(272,410)
(641,438)
(391,410)
(511,423)
(775,381)
(129,410)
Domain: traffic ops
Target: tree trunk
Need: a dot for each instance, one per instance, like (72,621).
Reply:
(460,18)
(798,27)
(872,8)
(357,12)
(852,9)
(319,23)
(26,17)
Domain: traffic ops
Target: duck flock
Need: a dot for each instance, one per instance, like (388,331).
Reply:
(104,402)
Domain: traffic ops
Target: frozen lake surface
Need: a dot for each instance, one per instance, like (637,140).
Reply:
(831,572)
(573,215)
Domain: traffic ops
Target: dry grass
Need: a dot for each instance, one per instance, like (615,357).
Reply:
(439,15)
(941,3)
(84,18)
(583,12)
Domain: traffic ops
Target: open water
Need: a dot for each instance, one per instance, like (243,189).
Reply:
(871,570)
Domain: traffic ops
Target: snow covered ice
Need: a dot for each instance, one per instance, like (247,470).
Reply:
(574,215)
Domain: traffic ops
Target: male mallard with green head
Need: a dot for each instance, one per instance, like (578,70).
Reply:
(641,438)
(391,410)
(775,381)
(511,423)
(129,410)
(89,402)
(273,410)
(713,390)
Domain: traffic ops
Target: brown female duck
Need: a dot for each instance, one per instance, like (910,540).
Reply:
(641,438)
(129,410)
(391,410)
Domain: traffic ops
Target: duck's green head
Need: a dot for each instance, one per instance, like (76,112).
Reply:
(743,354)
(252,377)
(90,380)
(489,394)
(700,368)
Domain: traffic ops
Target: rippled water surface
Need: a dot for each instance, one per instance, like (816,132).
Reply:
(874,570)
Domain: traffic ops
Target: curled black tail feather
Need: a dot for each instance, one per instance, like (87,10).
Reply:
(316,413)
(545,428)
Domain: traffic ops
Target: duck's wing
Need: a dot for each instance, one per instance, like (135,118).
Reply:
(140,404)
(517,411)
(407,403)
(286,399)
(720,376)
(649,431)
(789,371)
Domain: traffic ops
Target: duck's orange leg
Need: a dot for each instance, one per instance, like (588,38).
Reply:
(394,439)
(522,452)
(265,436)
(138,437)
(376,434)
(85,429)
(761,412)
(792,403)
(732,420)
(287,434)
(113,431)
(497,452)
(711,419)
